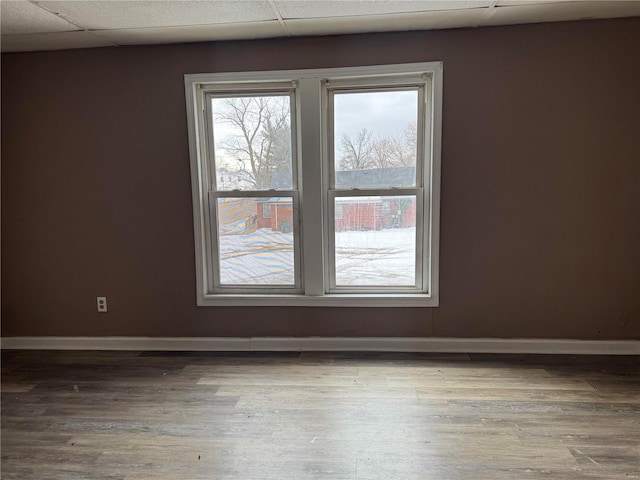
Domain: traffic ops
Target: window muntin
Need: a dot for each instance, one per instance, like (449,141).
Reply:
(315,200)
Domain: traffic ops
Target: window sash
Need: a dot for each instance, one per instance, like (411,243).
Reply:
(377,85)
(423,178)
(214,276)
(214,257)
(421,266)
(267,90)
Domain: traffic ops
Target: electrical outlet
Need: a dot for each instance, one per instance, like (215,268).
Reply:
(102,304)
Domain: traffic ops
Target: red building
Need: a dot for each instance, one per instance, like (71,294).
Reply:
(374,213)
(275,213)
(352,213)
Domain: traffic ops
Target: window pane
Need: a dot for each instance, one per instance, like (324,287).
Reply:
(375,139)
(256,241)
(375,241)
(252,138)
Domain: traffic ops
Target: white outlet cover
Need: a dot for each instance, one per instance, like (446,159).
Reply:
(102,304)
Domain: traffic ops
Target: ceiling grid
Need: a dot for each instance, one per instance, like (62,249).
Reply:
(279,16)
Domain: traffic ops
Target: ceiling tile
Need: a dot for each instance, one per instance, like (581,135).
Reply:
(24,17)
(199,33)
(386,23)
(293,9)
(51,41)
(101,15)
(134,22)
(557,12)
(506,3)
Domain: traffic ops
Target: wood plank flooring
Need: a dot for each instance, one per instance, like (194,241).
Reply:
(196,416)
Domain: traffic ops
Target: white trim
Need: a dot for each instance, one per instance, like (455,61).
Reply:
(309,133)
(432,261)
(331,344)
(272,76)
(329,300)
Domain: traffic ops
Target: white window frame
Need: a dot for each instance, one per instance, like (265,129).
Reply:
(212,253)
(404,82)
(312,174)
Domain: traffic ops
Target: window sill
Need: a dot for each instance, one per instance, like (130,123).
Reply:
(332,300)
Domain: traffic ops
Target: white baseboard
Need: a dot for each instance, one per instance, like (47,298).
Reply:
(330,344)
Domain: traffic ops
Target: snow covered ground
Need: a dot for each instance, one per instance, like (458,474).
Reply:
(265,257)
(376,257)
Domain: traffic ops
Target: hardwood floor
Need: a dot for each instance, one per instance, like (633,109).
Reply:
(196,416)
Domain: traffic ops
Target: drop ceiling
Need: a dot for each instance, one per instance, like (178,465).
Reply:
(29,25)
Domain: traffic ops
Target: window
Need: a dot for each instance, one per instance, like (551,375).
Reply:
(316,187)
(266,210)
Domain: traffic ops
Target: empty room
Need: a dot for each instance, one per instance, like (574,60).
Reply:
(320,239)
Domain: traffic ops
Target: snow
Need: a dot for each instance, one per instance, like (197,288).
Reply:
(368,258)
(263,257)
(376,257)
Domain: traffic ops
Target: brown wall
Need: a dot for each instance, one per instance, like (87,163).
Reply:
(540,228)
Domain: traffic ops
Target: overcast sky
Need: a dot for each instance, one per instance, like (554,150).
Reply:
(383,113)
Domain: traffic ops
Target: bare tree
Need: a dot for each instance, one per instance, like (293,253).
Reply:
(261,140)
(383,152)
(410,144)
(356,152)
(363,150)
(391,151)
